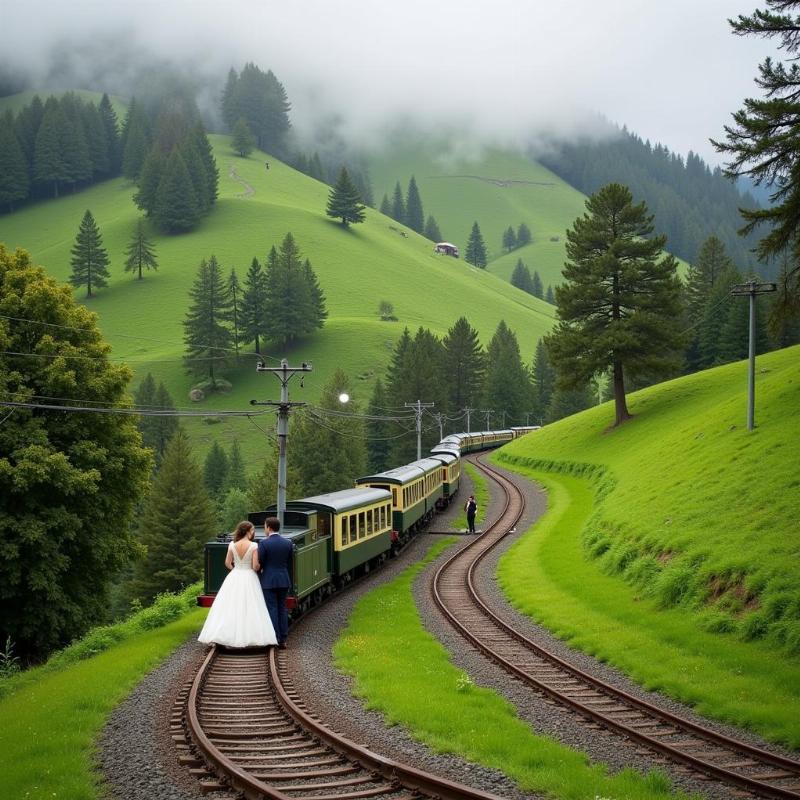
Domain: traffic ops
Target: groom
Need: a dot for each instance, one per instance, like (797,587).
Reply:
(275,555)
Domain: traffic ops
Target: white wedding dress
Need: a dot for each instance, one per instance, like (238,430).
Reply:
(238,616)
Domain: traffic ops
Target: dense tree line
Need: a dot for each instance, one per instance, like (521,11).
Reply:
(61,143)
(521,278)
(513,239)
(408,210)
(689,200)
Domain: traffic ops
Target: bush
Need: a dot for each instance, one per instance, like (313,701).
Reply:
(165,608)
(754,626)
(643,572)
(676,585)
(714,621)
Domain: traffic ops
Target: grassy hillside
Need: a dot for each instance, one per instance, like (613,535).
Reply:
(496,188)
(357,268)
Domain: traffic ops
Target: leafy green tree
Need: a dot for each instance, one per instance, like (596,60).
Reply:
(415,216)
(398,204)
(176,521)
(68,481)
(344,201)
(14,181)
(386,310)
(89,257)
(140,251)
(215,471)
(509,239)
(254,305)
(476,249)
(523,235)
(432,231)
(621,304)
(543,379)
(206,334)
(521,277)
(537,289)
(176,208)
(761,143)
(379,430)
(243,141)
(464,365)
(235,507)
(507,387)
(237,477)
(329,451)
(235,318)
(385,207)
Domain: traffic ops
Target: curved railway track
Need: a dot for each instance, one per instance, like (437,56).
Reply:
(271,747)
(706,751)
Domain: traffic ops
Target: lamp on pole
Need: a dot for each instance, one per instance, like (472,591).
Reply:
(751,289)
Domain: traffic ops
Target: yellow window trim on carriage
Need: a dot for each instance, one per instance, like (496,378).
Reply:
(354,527)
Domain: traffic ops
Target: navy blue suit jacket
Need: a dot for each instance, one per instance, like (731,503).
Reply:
(275,555)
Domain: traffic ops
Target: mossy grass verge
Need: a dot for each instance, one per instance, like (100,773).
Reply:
(402,672)
(480,489)
(51,715)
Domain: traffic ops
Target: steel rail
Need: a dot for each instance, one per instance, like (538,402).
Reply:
(484,545)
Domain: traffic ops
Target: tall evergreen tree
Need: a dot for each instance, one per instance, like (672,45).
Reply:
(14,181)
(215,472)
(145,397)
(74,146)
(235,300)
(507,388)
(712,262)
(27,126)
(415,216)
(714,316)
(464,366)
(237,476)
(379,430)
(140,252)
(197,137)
(509,239)
(177,520)
(432,231)
(521,277)
(97,141)
(385,208)
(523,235)
(315,168)
(567,401)
(543,379)
(163,427)
(254,304)
(176,207)
(111,126)
(136,139)
(49,165)
(243,142)
(89,257)
(620,306)
(316,309)
(398,204)
(146,197)
(735,333)
(344,201)
(207,336)
(536,286)
(550,295)
(476,249)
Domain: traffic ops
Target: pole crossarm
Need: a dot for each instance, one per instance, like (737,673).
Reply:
(753,288)
(418,408)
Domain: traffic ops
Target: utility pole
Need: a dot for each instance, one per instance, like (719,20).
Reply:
(488,411)
(751,289)
(502,419)
(284,373)
(440,419)
(469,410)
(418,406)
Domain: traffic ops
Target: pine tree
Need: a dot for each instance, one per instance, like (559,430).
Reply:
(163,427)
(476,249)
(207,336)
(243,141)
(464,365)
(136,139)
(145,397)
(415,217)
(74,144)
(146,197)
(621,304)
(734,337)
(234,508)
(398,205)
(177,520)
(215,472)
(507,384)
(315,168)
(509,239)
(316,310)
(432,231)
(712,262)
(197,136)
(49,165)
(543,379)
(254,304)
(140,252)
(237,477)
(27,125)
(379,432)
(713,319)
(89,257)
(176,207)
(521,277)
(536,286)
(235,299)
(230,100)
(97,141)
(14,182)
(550,296)
(344,201)
(523,235)
(385,208)
(111,126)
(565,402)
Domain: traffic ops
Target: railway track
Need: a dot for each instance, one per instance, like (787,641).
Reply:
(734,762)
(241,726)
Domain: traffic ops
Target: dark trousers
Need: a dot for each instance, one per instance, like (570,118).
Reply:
(276,605)
(471,522)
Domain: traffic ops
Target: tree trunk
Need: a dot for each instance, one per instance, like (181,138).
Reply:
(620,406)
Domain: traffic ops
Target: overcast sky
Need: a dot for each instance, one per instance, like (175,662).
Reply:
(671,71)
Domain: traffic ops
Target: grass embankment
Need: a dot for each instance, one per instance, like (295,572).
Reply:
(53,714)
(674,556)
(357,268)
(401,671)
(480,489)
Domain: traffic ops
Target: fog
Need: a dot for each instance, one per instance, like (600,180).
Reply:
(506,71)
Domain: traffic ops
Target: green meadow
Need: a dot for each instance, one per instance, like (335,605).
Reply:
(357,268)
(671,545)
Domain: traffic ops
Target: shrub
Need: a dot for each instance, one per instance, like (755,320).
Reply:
(754,626)
(676,585)
(714,621)
(643,572)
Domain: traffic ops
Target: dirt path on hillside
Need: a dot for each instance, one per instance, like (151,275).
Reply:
(249,191)
(501,182)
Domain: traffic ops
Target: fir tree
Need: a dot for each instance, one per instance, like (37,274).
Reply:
(344,201)
(243,141)
(315,168)
(536,286)
(237,478)
(379,430)
(521,277)
(523,235)
(712,262)
(215,472)
(89,257)
(140,252)
(152,171)
(49,165)
(176,207)
(74,145)
(464,365)
(476,249)
(620,306)
(177,520)
(543,379)
(14,182)
(27,125)
(164,427)
(316,309)
(197,136)
(235,300)
(509,239)
(507,383)
(111,126)
(96,141)
(145,397)
(415,217)
(234,508)
(432,231)
(734,339)
(207,336)
(254,304)
(565,402)
(385,207)
(136,138)
(398,205)
(550,296)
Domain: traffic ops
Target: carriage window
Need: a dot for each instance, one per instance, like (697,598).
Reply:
(394,496)
(353,530)
(361,525)
(369,522)
(382,517)
(344,530)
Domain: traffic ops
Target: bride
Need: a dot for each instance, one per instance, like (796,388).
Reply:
(238,617)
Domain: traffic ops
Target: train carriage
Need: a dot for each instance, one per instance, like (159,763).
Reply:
(451,473)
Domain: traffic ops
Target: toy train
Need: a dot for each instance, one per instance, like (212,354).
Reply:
(341,535)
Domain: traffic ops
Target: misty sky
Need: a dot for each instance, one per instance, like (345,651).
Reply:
(505,69)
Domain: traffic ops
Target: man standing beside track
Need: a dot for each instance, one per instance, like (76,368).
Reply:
(471,507)
(275,555)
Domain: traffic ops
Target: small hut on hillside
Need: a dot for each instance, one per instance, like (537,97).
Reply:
(446,249)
